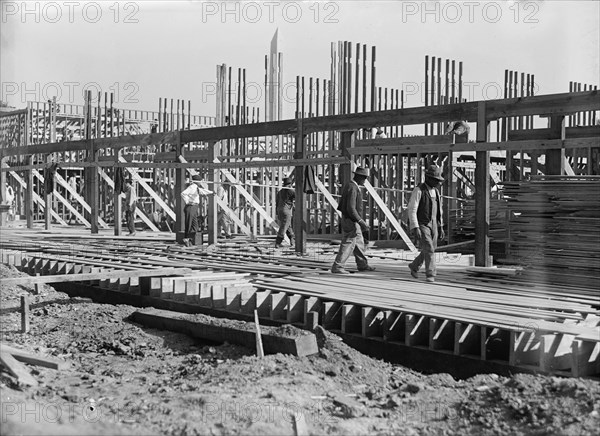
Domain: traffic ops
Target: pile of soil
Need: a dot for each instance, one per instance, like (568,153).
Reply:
(127,379)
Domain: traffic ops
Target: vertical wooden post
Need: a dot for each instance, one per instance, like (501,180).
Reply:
(555,159)
(212,177)
(93,170)
(432,93)
(426,89)
(47,199)
(24,314)
(373,76)
(482,192)
(179,187)
(94,189)
(29,195)
(299,215)
(347,141)
(118,206)
(451,203)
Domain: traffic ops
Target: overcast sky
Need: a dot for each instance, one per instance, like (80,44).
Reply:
(146,50)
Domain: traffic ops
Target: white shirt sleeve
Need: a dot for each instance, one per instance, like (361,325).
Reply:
(186,194)
(203,191)
(413,205)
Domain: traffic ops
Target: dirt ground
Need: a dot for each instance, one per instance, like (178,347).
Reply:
(126,379)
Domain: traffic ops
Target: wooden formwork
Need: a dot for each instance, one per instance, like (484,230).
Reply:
(563,342)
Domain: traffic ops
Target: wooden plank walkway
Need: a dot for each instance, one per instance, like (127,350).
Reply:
(505,319)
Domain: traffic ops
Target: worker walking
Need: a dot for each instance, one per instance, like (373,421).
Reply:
(426,222)
(223,220)
(191,197)
(10,200)
(284,206)
(130,206)
(351,206)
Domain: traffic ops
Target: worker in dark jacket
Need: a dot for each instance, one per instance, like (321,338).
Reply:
(426,222)
(352,225)
(284,206)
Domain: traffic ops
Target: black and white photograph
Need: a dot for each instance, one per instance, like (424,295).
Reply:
(303,218)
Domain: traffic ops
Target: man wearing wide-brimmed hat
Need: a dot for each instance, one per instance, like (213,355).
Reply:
(284,207)
(426,221)
(352,225)
(191,197)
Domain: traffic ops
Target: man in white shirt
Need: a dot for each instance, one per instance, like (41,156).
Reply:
(10,198)
(426,221)
(130,206)
(191,197)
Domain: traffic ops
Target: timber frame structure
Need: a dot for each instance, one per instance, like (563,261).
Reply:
(209,151)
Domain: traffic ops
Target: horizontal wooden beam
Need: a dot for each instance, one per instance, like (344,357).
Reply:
(542,144)
(207,165)
(374,146)
(157,272)
(271,128)
(545,105)
(393,117)
(190,155)
(117,142)
(12,113)
(570,132)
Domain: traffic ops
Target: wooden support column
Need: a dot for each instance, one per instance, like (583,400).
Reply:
(94,188)
(451,204)
(300,211)
(213,177)
(118,206)
(482,192)
(179,187)
(347,141)
(555,159)
(29,195)
(48,201)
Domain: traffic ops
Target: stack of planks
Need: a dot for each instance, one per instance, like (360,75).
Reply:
(554,228)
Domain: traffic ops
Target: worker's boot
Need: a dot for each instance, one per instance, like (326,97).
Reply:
(278,242)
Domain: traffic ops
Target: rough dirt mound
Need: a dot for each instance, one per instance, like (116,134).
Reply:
(126,379)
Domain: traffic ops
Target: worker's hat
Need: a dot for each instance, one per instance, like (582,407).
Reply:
(435,172)
(286,181)
(196,178)
(360,171)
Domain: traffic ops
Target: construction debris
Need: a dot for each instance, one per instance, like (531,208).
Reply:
(286,340)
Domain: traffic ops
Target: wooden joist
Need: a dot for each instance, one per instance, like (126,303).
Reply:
(94,276)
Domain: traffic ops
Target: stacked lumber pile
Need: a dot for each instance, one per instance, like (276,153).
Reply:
(554,228)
